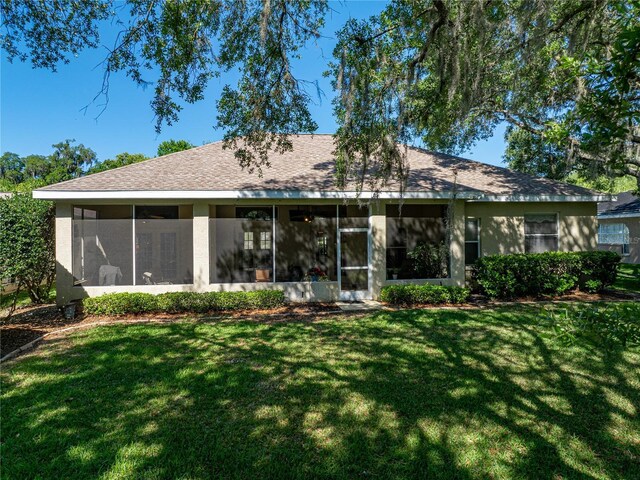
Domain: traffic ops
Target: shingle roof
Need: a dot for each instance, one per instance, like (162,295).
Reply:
(309,167)
(626,204)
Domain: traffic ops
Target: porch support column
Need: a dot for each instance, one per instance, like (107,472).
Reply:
(378,264)
(200,246)
(64,253)
(457,219)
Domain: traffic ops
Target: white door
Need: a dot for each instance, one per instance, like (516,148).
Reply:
(353,272)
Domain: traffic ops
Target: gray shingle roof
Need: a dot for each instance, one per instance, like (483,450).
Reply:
(309,167)
(626,204)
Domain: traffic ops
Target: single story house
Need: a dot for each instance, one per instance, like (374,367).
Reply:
(196,221)
(619,226)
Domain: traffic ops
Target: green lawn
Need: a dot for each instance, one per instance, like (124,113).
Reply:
(483,393)
(628,278)
(6,299)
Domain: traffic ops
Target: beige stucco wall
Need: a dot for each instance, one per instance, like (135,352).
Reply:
(634,238)
(64,255)
(502,224)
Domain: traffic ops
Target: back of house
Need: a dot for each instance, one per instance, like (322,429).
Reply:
(196,221)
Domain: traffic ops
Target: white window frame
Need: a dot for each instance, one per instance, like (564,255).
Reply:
(265,240)
(247,240)
(615,238)
(557,234)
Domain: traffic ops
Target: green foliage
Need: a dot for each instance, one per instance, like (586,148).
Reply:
(121,160)
(564,74)
(181,302)
(604,183)
(27,244)
(429,261)
(540,274)
(66,162)
(535,155)
(121,304)
(173,146)
(607,324)
(423,294)
(11,167)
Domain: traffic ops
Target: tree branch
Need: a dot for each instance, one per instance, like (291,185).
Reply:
(443,14)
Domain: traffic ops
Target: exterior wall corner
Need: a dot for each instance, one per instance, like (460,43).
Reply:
(456,243)
(201,247)
(378,223)
(64,253)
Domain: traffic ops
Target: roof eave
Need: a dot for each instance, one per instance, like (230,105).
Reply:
(61,195)
(605,216)
(240,194)
(544,198)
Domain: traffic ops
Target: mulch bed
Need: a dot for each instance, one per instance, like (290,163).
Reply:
(28,323)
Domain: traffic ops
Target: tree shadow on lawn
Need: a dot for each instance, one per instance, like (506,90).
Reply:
(394,395)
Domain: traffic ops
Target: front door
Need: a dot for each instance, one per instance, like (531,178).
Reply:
(353,274)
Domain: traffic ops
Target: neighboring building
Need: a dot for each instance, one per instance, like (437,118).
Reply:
(619,226)
(195,221)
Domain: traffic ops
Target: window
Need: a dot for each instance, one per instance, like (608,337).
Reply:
(614,234)
(540,233)
(265,240)
(471,240)
(322,246)
(248,240)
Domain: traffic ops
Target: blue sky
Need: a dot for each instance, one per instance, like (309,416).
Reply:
(39,108)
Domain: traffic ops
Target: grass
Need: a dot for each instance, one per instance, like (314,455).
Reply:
(628,278)
(407,394)
(6,299)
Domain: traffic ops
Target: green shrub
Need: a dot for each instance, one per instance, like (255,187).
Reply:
(544,274)
(27,251)
(181,302)
(121,304)
(423,294)
(599,266)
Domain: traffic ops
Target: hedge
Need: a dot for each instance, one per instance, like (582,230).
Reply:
(181,302)
(545,274)
(423,294)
